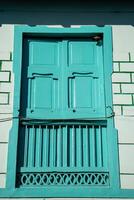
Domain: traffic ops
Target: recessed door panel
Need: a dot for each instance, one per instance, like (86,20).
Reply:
(81,92)
(42,92)
(81,53)
(44,95)
(45,53)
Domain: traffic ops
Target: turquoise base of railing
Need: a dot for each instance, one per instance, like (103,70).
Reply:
(66,192)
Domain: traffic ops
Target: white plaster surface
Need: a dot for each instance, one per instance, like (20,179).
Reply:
(2,180)
(5,127)
(3,98)
(127,88)
(121,77)
(126,153)
(116,88)
(125,126)
(122,99)
(3,157)
(6,38)
(7,65)
(4,55)
(123,41)
(128,111)
(117,110)
(127,181)
(127,67)
(4,76)
(115,67)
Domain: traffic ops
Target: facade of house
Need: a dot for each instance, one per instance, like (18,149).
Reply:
(123,97)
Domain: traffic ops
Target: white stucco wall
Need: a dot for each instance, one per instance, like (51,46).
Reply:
(123,51)
(123,97)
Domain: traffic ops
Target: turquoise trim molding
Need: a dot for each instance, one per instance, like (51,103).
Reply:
(74,193)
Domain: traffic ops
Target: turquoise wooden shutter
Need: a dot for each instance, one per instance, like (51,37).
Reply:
(65,78)
(84,71)
(64,136)
(44,67)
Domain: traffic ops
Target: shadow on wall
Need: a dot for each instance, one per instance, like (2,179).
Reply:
(66,12)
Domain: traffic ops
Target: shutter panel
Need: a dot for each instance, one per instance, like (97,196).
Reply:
(65,79)
(85,78)
(43,66)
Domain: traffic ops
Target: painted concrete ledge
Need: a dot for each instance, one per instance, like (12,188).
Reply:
(67,193)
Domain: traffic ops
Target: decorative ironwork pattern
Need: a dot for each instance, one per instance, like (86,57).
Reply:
(45,179)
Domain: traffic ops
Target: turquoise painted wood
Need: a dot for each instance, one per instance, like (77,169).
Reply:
(65,78)
(62,143)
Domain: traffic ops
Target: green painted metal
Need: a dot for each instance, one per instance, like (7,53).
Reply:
(64,151)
